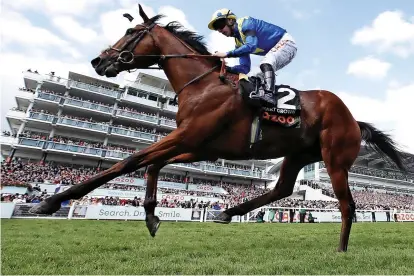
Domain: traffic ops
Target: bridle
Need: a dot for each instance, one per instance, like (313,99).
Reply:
(127,56)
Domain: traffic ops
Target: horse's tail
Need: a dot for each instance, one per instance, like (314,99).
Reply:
(381,143)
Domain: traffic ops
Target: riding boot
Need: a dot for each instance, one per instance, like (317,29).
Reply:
(269,85)
(265,93)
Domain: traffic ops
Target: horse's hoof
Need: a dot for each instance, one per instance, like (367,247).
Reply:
(222,218)
(45,207)
(153,224)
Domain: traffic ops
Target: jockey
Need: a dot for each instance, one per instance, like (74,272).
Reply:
(254,36)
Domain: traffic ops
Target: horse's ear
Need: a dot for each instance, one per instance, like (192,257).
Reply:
(128,16)
(142,14)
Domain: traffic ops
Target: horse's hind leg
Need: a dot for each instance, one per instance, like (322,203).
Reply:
(284,187)
(339,151)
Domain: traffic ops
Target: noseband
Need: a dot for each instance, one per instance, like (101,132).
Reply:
(127,56)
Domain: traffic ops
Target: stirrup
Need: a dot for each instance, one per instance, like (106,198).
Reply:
(253,94)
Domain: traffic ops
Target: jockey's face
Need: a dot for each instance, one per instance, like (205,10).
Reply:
(227,31)
(225,27)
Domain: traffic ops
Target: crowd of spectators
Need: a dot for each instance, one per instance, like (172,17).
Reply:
(132,110)
(83,119)
(87,100)
(27,90)
(96,85)
(42,90)
(17,109)
(19,173)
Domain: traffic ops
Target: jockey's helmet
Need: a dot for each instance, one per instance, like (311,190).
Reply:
(220,14)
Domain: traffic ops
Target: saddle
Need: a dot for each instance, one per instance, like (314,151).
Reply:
(283,112)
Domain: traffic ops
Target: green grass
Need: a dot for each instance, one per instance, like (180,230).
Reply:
(125,247)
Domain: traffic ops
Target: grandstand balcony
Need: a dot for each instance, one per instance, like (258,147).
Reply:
(171,108)
(246,173)
(168,123)
(216,169)
(102,91)
(7,140)
(89,106)
(116,154)
(140,101)
(189,166)
(160,137)
(220,170)
(123,132)
(40,117)
(23,98)
(146,87)
(73,123)
(74,149)
(31,143)
(47,97)
(31,79)
(16,114)
(137,117)
(53,81)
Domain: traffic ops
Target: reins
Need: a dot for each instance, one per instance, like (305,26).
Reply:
(128,57)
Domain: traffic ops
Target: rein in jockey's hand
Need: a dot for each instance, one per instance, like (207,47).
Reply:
(220,55)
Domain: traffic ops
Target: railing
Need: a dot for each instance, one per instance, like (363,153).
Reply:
(99,90)
(41,116)
(29,142)
(117,154)
(74,148)
(168,122)
(224,170)
(240,172)
(48,97)
(197,166)
(134,133)
(138,116)
(16,114)
(83,124)
(171,108)
(7,140)
(89,105)
(212,168)
(140,100)
(108,212)
(56,79)
(147,88)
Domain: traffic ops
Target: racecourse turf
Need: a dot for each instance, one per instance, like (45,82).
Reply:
(125,247)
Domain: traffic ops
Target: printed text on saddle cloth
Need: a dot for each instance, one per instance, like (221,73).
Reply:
(287,109)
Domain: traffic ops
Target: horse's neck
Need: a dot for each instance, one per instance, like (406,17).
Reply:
(180,71)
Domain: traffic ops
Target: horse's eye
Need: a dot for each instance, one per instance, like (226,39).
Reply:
(129,31)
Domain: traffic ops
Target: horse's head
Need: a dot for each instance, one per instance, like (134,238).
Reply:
(136,49)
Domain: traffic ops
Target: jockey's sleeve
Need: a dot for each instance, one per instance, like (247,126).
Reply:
(243,67)
(248,48)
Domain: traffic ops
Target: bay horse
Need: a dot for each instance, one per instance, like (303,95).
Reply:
(214,121)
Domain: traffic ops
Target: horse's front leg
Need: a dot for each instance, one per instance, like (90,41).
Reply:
(152,221)
(159,152)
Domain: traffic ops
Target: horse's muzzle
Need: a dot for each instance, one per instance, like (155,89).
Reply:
(104,67)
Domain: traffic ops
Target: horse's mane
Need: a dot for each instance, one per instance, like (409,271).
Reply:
(193,39)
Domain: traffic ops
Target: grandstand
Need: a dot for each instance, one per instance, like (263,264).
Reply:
(67,129)
(64,130)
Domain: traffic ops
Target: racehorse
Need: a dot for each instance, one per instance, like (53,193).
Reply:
(214,121)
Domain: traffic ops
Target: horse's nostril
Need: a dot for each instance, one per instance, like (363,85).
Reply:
(96,61)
